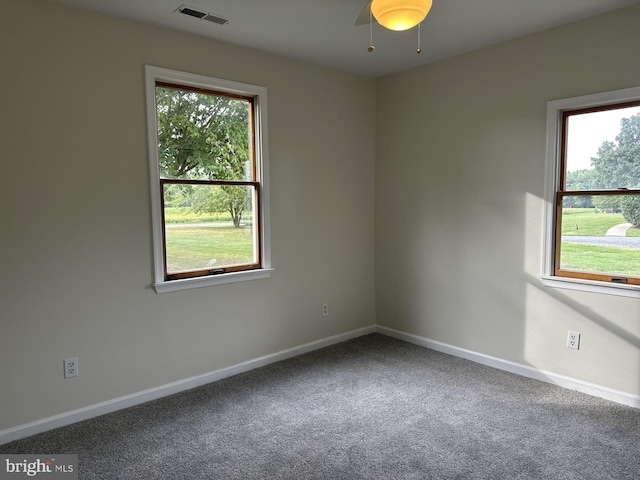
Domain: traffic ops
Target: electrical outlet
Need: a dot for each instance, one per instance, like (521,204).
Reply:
(573,340)
(325,310)
(70,367)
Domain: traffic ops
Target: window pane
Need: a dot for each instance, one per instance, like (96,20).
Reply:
(603,149)
(209,227)
(598,234)
(202,136)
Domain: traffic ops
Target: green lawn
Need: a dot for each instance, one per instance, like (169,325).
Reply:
(593,258)
(191,248)
(588,222)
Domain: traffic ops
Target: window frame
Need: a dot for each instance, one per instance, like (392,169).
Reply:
(554,191)
(258,95)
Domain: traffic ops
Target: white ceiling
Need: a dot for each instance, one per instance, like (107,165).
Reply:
(323,32)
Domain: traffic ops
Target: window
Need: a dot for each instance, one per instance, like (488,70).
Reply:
(592,222)
(207,151)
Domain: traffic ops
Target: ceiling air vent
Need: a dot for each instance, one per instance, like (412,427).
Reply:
(214,19)
(199,14)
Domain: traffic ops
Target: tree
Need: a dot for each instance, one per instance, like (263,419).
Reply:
(630,206)
(606,203)
(230,198)
(580,180)
(617,166)
(203,136)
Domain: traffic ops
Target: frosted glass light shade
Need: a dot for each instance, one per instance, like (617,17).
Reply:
(400,14)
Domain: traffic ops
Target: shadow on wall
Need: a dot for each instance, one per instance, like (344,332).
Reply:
(550,313)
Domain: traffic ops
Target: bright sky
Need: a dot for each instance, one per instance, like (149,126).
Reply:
(589,130)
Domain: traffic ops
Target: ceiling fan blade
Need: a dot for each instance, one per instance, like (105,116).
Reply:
(365,15)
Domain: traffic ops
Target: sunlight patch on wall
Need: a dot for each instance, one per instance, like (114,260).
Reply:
(533,223)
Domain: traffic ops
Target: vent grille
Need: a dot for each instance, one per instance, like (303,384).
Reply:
(191,12)
(214,19)
(200,15)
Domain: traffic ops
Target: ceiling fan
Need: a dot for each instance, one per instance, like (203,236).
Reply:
(395,15)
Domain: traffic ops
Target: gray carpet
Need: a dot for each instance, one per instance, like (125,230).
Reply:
(373,407)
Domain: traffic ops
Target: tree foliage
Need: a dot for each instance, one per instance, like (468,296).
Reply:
(616,166)
(203,136)
(630,206)
(580,180)
(230,198)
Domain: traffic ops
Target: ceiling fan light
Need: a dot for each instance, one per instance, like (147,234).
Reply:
(400,14)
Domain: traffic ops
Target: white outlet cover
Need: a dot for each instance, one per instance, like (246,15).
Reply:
(573,340)
(70,367)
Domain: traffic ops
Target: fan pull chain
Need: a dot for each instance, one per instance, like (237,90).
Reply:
(371,47)
(419,50)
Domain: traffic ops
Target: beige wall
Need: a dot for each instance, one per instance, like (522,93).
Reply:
(459,187)
(75,230)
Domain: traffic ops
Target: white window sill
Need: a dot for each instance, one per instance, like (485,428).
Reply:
(199,282)
(606,288)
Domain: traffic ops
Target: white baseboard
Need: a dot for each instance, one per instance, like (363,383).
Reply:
(91,411)
(517,368)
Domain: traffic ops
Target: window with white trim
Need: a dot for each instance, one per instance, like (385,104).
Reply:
(208,164)
(592,223)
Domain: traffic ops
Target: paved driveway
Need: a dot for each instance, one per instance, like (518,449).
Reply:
(621,242)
